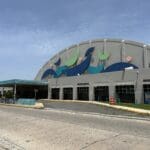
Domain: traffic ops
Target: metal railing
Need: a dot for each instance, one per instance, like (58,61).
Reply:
(8,100)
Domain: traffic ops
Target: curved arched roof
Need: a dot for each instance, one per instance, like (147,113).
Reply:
(126,42)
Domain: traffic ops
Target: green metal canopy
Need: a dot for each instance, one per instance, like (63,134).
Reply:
(22,82)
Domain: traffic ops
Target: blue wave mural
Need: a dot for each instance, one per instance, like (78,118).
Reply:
(57,63)
(79,69)
(48,72)
(119,67)
(94,70)
(89,51)
(60,71)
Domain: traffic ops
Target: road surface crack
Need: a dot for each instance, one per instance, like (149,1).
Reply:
(83,148)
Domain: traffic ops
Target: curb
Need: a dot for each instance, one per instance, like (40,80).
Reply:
(135,110)
(36,106)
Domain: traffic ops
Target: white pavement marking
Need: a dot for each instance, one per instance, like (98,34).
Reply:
(6,144)
(91,114)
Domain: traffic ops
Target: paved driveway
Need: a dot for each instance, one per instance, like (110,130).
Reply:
(88,108)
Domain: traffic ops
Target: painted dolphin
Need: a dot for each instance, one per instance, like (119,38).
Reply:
(94,70)
(79,69)
(89,51)
(57,63)
(48,72)
(60,71)
(119,67)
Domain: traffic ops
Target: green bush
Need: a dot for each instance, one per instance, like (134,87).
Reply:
(8,94)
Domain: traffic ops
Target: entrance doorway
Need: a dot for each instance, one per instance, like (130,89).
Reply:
(55,93)
(83,93)
(146,93)
(68,93)
(125,93)
(101,93)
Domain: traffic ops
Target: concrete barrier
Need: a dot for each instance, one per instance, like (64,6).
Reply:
(37,105)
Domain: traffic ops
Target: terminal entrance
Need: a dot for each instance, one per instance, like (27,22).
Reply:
(55,93)
(146,93)
(125,93)
(83,93)
(68,93)
(23,89)
(30,91)
(101,93)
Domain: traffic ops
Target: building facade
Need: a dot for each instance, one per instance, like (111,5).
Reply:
(99,69)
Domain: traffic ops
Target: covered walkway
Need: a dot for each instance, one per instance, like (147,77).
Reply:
(26,88)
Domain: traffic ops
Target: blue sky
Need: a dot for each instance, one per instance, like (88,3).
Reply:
(32,31)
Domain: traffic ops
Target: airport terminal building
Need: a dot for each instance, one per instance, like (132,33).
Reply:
(99,69)
(95,70)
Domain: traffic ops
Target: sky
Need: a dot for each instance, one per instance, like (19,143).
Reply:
(32,31)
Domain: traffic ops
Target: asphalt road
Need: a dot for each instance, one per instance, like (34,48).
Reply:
(89,108)
(56,129)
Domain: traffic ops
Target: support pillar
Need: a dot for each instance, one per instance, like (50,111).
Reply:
(138,88)
(2,92)
(91,93)
(61,94)
(123,51)
(112,91)
(139,95)
(49,93)
(145,62)
(15,87)
(75,93)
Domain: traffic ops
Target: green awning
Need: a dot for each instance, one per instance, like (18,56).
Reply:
(22,82)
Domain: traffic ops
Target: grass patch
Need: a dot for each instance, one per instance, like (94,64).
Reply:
(142,106)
